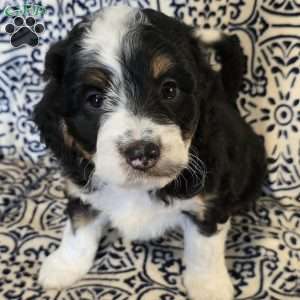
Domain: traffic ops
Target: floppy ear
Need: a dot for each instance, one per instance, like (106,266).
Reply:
(47,113)
(56,56)
(55,60)
(230,55)
(51,121)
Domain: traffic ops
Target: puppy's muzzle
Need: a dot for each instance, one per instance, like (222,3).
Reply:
(141,155)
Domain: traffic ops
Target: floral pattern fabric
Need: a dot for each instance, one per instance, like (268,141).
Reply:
(263,247)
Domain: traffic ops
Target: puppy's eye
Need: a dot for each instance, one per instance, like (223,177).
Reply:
(95,100)
(169,90)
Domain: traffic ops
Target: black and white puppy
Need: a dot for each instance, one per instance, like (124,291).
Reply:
(150,138)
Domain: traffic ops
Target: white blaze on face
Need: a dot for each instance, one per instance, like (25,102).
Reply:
(105,35)
(112,167)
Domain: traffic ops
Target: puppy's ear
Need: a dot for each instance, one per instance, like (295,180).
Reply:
(55,60)
(229,53)
(47,113)
(56,56)
(51,119)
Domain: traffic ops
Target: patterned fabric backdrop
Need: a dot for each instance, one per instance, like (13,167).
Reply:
(270,100)
(263,249)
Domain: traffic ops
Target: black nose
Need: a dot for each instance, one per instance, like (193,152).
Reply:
(142,155)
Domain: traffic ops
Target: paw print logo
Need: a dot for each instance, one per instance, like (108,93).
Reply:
(24,32)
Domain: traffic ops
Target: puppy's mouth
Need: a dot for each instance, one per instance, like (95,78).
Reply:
(171,171)
(165,172)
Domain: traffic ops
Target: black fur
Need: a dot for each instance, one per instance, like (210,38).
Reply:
(80,212)
(59,104)
(232,153)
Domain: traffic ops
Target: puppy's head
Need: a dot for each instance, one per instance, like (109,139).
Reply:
(125,93)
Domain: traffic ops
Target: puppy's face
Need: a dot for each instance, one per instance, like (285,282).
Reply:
(131,96)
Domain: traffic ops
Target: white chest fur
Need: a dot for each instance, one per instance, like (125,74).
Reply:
(137,215)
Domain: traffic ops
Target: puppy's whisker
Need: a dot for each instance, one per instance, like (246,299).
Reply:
(185,181)
(195,167)
(192,172)
(177,182)
(89,182)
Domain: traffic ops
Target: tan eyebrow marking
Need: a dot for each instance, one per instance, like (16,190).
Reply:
(160,64)
(95,77)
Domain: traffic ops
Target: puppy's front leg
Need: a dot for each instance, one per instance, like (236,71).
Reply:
(75,255)
(206,276)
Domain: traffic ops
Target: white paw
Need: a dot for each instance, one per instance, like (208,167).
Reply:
(212,287)
(58,272)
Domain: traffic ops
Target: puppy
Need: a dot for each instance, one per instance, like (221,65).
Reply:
(149,138)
